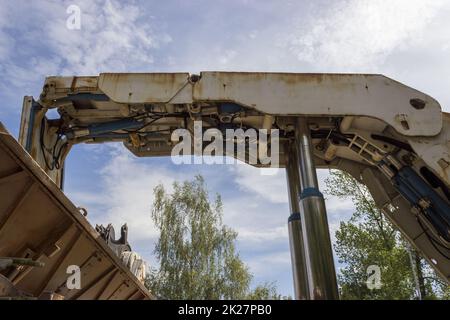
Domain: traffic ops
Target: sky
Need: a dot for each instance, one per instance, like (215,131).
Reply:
(407,40)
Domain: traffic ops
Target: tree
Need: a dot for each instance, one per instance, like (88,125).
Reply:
(368,238)
(196,252)
(267,291)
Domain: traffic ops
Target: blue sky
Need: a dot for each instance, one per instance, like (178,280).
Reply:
(408,40)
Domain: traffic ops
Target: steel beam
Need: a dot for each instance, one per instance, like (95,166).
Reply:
(294,225)
(320,269)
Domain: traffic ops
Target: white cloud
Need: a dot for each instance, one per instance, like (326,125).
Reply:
(227,56)
(360,34)
(127,193)
(269,187)
(114,37)
(264,235)
(6,45)
(6,41)
(273,188)
(276,260)
(257,221)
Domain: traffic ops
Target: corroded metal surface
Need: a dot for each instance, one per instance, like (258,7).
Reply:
(37,221)
(273,93)
(326,95)
(355,122)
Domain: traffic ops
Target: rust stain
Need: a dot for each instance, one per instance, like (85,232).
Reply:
(120,85)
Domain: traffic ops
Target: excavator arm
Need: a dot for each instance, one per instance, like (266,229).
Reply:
(388,136)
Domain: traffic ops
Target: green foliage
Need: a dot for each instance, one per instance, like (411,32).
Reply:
(368,238)
(267,291)
(196,252)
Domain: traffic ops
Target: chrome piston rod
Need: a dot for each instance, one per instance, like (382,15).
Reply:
(321,274)
(301,290)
